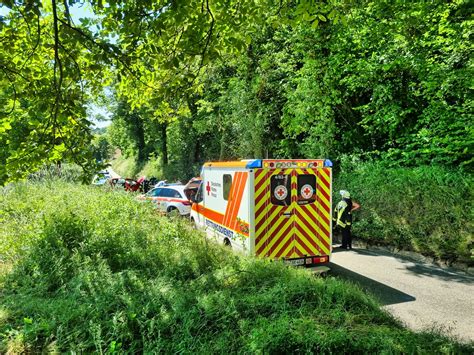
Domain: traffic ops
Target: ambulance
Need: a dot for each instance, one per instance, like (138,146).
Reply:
(276,209)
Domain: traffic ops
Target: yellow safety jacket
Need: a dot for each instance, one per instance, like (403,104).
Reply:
(343,216)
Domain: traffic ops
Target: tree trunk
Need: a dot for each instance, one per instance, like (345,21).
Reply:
(164,143)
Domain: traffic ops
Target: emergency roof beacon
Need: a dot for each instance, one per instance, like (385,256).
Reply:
(278,209)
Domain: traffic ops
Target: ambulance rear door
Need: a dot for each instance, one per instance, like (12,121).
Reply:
(292,213)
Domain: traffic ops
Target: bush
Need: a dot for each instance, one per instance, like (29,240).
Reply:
(426,209)
(65,172)
(100,272)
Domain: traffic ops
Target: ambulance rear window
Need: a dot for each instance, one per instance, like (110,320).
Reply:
(280,189)
(226,183)
(306,189)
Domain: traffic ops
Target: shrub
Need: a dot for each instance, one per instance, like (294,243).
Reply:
(65,172)
(426,209)
(101,272)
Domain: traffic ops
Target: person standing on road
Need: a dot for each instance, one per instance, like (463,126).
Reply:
(344,218)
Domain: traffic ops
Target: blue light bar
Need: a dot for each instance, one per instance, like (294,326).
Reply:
(327,163)
(257,163)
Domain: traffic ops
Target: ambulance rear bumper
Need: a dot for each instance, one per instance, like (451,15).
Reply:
(308,261)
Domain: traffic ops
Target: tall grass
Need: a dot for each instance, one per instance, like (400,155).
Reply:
(96,271)
(426,209)
(126,167)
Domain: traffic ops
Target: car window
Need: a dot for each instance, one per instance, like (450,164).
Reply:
(170,193)
(227,183)
(154,193)
(200,193)
(177,194)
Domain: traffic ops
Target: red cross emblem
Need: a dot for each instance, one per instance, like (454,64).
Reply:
(307,191)
(208,188)
(281,192)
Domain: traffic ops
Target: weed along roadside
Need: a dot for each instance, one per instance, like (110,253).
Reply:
(89,273)
(425,209)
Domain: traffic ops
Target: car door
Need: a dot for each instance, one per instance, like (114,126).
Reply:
(163,198)
(152,195)
(199,201)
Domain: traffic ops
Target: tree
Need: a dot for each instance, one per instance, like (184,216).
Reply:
(52,66)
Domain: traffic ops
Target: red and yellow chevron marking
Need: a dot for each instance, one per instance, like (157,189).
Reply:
(306,232)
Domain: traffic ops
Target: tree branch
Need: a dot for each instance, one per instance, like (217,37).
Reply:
(57,65)
(14,90)
(110,49)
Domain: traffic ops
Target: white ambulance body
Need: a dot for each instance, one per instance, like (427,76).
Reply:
(278,209)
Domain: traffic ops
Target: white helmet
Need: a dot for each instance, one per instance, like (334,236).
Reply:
(345,194)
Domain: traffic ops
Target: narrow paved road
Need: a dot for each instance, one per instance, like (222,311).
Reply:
(112,173)
(421,295)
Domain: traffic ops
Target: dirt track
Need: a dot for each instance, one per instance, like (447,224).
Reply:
(421,295)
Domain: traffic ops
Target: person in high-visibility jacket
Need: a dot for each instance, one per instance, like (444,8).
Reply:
(343,217)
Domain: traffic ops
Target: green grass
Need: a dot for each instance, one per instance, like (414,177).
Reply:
(125,167)
(426,209)
(92,270)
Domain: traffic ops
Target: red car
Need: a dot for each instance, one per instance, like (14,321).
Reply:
(128,184)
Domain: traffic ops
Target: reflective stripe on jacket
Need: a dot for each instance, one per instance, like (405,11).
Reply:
(343,214)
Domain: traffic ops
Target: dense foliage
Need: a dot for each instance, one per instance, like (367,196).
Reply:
(390,82)
(87,270)
(52,64)
(425,209)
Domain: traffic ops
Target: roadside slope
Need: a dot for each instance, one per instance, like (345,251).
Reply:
(95,271)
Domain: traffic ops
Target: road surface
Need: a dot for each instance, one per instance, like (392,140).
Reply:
(423,296)
(112,173)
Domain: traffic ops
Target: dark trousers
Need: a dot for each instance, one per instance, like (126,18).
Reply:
(346,237)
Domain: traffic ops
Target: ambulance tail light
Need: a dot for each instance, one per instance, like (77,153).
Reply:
(187,203)
(320,259)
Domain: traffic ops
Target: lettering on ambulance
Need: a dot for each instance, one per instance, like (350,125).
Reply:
(285,164)
(295,164)
(218,218)
(218,228)
(212,188)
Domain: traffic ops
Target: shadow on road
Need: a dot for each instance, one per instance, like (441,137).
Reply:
(433,271)
(385,294)
(420,269)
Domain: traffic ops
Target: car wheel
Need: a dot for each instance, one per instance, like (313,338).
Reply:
(172,212)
